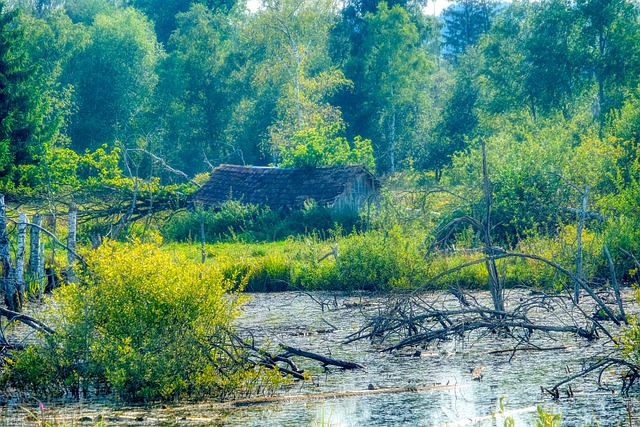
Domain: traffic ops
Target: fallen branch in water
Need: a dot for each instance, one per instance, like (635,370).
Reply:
(528,348)
(27,320)
(324,360)
(628,379)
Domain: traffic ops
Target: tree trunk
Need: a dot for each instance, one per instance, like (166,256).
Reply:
(583,213)
(494,280)
(202,235)
(41,275)
(614,284)
(33,272)
(21,287)
(71,243)
(8,275)
(392,137)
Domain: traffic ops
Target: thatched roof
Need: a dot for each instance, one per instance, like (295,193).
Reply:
(278,187)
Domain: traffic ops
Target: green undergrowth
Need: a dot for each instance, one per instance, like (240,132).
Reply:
(390,260)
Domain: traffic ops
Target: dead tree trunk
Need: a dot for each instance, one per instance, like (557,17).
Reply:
(8,275)
(614,284)
(34,248)
(324,360)
(583,214)
(36,254)
(41,275)
(21,287)
(495,286)
(71,243)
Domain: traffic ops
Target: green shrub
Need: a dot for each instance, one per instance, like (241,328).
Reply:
(380,261)
(147,324)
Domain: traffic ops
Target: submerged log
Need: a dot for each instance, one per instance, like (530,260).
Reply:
(338,394)
(528,348)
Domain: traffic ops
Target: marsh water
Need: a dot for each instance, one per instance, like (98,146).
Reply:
(320,322)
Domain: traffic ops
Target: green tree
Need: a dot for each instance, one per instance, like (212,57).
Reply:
(392,71)
(464,22)
(294,36)
(323,145)
(504,67)
(197,89)
(164,13)
(85,11)
(459,117)
(550,44)
(611,52)
(33,103)
(114,79)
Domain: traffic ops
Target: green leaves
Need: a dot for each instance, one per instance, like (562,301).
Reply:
(322,146)
(114,79)
(391,75)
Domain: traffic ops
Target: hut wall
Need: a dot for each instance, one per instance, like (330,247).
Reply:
(356,196)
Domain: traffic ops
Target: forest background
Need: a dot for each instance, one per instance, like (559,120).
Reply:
(123,107)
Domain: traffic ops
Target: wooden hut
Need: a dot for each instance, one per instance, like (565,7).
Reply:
(342,188)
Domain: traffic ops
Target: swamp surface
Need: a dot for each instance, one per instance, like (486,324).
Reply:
(319,323)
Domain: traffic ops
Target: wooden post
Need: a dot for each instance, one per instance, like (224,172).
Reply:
(8,275)
(200,210)
(21,287)
(71,242)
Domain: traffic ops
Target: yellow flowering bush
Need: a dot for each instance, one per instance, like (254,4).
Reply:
(145,324)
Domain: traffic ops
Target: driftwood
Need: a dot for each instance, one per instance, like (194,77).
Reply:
(628,379)
(528,348)
(414,318)
(336,395)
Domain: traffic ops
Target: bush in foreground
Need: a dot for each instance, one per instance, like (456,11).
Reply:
(145,324)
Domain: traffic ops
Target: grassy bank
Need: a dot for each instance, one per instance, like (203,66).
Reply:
(386,260)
